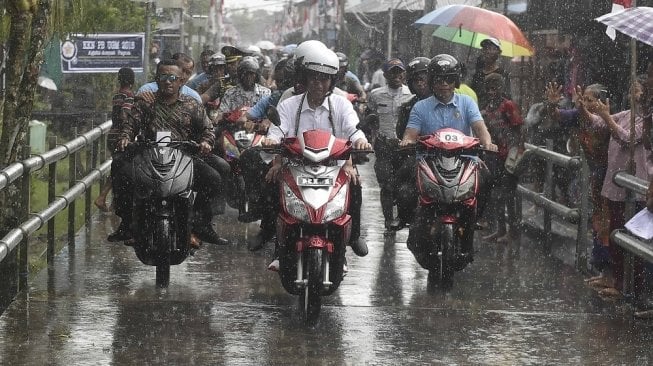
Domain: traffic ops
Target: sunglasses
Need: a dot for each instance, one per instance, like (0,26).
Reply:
(318,77)
(167,77)
(449,79)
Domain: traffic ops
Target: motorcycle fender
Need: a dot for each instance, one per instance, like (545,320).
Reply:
(285,223)
(314,242)
(344,224)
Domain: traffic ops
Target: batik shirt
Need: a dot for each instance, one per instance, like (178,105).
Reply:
(237,97)
(185,119)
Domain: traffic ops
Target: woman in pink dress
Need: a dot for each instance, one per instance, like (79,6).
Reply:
(618,157)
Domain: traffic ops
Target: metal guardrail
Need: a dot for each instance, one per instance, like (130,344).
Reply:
(630,243)
(577,216)
(32,222)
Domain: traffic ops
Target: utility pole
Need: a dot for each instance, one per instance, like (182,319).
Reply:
(148,40)
(429,6)
(390,21)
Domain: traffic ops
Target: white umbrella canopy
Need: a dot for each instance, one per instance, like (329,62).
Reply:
(266,45)
(635,22)
(47,83)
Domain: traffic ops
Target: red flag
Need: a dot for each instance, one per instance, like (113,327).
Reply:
(623,3)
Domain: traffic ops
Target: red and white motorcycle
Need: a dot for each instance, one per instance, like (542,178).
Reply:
(313,225)
(232,140)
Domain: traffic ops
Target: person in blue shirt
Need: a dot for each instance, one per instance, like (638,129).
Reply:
(187,65)
(446,108)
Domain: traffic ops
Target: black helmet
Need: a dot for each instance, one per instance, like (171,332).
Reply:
(414,67)
(444,64)
(418,64)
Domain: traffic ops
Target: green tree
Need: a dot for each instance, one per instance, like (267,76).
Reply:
(25,27)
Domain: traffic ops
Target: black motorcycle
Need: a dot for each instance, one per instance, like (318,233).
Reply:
(163,202)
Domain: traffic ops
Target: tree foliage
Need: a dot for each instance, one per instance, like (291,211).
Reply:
(25,28)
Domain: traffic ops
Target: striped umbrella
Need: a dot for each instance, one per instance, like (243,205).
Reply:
(636,23)
(470,25)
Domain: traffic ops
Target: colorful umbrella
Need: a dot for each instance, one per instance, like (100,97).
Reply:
(636,23)
(470,25)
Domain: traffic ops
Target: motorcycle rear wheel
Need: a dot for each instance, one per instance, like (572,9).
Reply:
(310,301)
(162,237)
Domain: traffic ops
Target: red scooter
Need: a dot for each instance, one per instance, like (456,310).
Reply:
(448,178)
(313,225)
(233,140)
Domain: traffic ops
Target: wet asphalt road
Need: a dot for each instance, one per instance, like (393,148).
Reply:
(515,305)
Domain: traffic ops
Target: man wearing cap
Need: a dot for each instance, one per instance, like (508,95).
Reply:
(233,56)
(385,103)
(488,63)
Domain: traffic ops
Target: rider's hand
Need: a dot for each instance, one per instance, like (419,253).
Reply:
(362,144)
(491,147)
(406,142)
(205,148)
(147,96)
(273,173)
(351,172)
(122,144)
(268,142)
(249,126)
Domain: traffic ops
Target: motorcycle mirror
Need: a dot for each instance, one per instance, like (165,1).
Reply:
(273,116)
(369,123)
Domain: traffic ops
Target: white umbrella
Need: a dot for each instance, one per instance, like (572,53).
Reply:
(47,83)
(266,45)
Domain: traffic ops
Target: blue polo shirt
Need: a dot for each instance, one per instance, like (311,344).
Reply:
(153,87)
(429,115)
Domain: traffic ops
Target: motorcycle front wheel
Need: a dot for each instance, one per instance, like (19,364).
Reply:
(162,237)
(310,301)
(443,276)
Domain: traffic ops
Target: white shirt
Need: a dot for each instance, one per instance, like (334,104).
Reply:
(344,118)
(291,91)
(385,102)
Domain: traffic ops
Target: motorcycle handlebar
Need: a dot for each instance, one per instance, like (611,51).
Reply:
(188,146)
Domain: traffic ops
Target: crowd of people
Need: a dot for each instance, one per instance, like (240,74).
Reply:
(311,87)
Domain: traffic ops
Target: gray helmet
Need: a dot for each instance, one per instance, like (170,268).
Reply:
(217,59)
(248,64)
(343,59)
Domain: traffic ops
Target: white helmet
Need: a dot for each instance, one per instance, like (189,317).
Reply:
(321,60)
(305,46)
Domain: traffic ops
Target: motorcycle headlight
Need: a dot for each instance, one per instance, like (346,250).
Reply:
(336,207)
(294,206)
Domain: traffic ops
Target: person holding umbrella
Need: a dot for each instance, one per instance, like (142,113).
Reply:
(618,156)
(488,63)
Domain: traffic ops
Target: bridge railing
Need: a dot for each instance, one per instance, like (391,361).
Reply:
(545,200)
(14,263)
(632,245)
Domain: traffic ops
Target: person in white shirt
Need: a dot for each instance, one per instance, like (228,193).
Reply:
(385,103)
(318,108)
